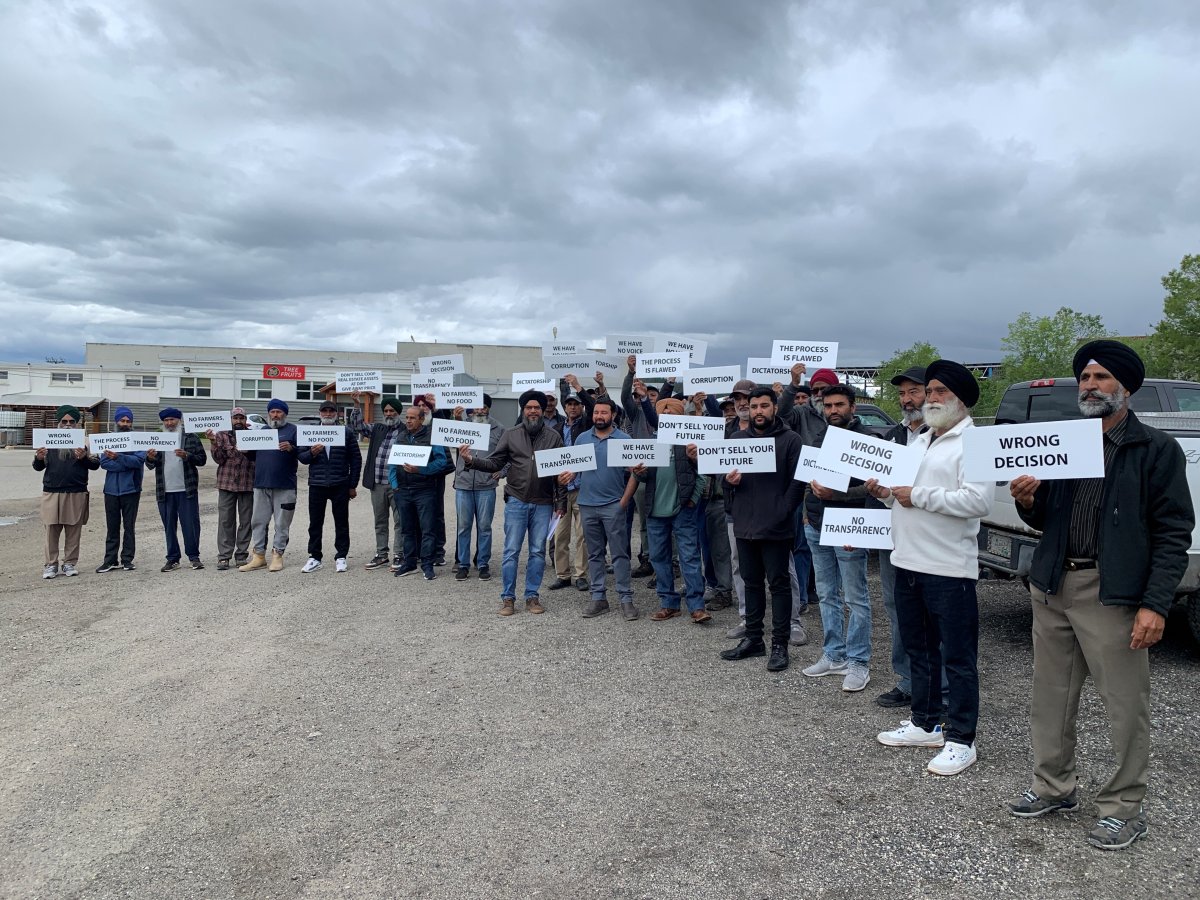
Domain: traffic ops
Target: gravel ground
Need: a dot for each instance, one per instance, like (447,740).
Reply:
(214,734)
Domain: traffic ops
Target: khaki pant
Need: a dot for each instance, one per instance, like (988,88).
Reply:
(70,535)
(568,535)
(1074,634)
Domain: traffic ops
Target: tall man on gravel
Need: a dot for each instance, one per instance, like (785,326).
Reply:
(475,501)
(177,488)
(333,474)
(380,438)
(415,492)
(935,525)
(122,497)
(570,554)
(235,493)
(1102,581)
(274,492)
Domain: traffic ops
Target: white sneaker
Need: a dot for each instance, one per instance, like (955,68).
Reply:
(339,565)
(311,566)
(856,679)
(69,570)
(826,666)
(954,758)
(909,735)
(50,572)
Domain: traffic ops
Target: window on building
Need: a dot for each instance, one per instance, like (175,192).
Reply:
(3,374)
(256,389)
(195,387)
(391,389)
(69,377)
(309,390)
(141,381)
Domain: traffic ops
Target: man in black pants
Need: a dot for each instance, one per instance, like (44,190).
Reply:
(333,474)
(763,506)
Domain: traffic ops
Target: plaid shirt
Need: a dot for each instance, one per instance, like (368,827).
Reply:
(191,478)
(235,472)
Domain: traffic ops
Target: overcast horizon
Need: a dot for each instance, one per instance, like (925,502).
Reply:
(344,177)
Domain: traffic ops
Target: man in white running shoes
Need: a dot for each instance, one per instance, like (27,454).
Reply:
(935,522)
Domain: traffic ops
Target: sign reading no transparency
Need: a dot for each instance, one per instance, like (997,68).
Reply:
(650,454)
(1045,450)
(366,380)
(690,429)
(863,528)
(452,433)
(421,385)
(566,459)
(865,456)
(162,441)
(743,454)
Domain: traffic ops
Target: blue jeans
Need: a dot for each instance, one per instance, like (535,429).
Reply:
(685,527)
(802,560)
(842,584)
(178,509)
(474,508)
(417,517)
(521,519)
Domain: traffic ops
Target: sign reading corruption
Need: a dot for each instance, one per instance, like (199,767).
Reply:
(717,380)
(258,439)
(1045,450)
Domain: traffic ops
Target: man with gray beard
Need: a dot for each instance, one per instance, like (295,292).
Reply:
(176,486)
(381,436)
(1102,580)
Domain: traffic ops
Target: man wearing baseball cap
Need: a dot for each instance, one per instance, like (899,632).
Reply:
(333,474)
(235,492)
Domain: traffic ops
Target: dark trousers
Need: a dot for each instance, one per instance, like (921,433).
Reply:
(120,512)
(439,519)
(338,496)
(939,625)
(418,511)
(179,511)
(763,562)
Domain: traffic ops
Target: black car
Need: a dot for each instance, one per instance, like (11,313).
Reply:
(877,421)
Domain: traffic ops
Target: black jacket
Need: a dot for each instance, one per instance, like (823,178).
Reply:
(854,496)
(65,476)
(763,504)
(196,457)
(685,478)
(1146,523)
(334,466)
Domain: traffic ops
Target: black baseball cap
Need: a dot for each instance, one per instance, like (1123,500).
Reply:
(912,373)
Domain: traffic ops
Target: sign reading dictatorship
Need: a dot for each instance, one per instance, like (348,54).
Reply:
(565,459)
(690,429)
(717,380)
(429,384)
(697,350)
(58,438)
(625,345)
(862,528)
(1045,450)
(743,454)
(450,364)
(650,454)
(409,455)
(865,456)
(807,470)
(162,441)
(531,381)
(761,370)
(258,439)
(364,380)
(467,398)
(208,421)
(814,354)
(274,371)
(328,435)
(662,365)
(452,433)
(117,442)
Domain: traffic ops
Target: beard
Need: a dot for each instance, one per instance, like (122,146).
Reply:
(124,428)
(602,427)
(533,426)
(172,429)
(278,423)
(479,418)
(940,416)
(909,416)
(1099,405)
(328,420)
(390,421)
(240,426)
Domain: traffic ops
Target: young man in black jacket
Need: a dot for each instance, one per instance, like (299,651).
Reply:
(333,474)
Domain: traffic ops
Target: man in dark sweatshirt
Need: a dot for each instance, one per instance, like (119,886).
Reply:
(274,492)
(333,474)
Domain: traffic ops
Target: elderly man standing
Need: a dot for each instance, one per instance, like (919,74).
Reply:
(177,488)
(570,554)
(415,491)
(935,524)
(475,501)
(1103,579)
(235,493)
(528,498)
(65,496)
(274,492)
(122,497)
(380,438)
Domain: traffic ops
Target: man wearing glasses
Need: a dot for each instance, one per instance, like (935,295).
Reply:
(64,508)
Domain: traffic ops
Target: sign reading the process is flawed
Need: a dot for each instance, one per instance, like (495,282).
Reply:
(1045,450)
(864,456)
(565,459)
(814,354)
(743,454)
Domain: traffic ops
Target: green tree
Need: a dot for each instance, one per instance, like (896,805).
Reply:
(1043,346)
(1174,349)
(921,353)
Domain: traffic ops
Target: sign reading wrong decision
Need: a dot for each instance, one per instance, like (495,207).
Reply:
(1045,450)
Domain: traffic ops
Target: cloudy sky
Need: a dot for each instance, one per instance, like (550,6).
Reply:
(266,172)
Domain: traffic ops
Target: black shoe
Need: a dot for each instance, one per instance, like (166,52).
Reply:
(643,569)
(440,561)
(744,649)
(595,608)
(170,566)
(893,699)
(379,561)
(779,658)
(718,600)
(560,583)
(485,573)
(106,567)
(462,574)
(129,567)
(196,564)
(397,563)
(581,584)
(429,573)
(404,570)
(222,565)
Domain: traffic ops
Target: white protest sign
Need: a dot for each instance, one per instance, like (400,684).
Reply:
(1045,450)
(690,429)
(162,441)
(452,433)
(865,456)
(581,365)
(814,354)
(608,365)
(565,459)
(467,398)
(409,455)
(258,439)
(449,364)
(862,528)
(625,345)
(117,442)
(650,454)
(761,370)
(662,365)
(420,385)
(717,380)
(743,454)
(564,348)
(807,470)
(58,438)
(697,350)
(208,421)
(328,435)
(531,381)
(364,380)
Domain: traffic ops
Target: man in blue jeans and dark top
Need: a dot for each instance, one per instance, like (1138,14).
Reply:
(475,500)
(415,493)
(176,485)
(333,476)
(841,571)
(529,499)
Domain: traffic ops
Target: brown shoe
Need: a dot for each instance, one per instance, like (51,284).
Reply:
(508,607)
(700,617)
(662,614)
(534,605)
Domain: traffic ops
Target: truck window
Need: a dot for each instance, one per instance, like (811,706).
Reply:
(1146,400)
(1188,399)
(1012,409)
(1060,402)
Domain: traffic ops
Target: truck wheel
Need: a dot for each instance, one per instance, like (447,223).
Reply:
(1193,611)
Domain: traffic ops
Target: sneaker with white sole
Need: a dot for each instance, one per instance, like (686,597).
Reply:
(737,631)
(910,735)
(1111,833)
(954,758)
(339,564)
(50,572)
(1029,805)
(69,570)
(826,666)
(311,566)
(856,679)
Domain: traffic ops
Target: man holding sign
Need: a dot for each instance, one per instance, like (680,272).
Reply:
(177,489)
(65,498)
(1103,579)
(415,493)
(475,500)
(122,497)
(333,474)
(274,492)
(935,524)
(235,492)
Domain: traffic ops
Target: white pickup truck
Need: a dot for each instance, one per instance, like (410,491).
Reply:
(1006,544)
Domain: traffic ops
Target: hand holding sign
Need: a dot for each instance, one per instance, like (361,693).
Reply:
(903,495)
(798,371)
(181,453)
(1022,488)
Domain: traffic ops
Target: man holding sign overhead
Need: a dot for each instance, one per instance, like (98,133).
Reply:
(935,523)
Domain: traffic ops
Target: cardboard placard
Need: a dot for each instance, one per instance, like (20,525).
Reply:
(200,422)
(409,455)
(452,433)
(531,381)
(361,380)
(1045,450)
(814,354)
(581,458)
(717,380)
(258,439)
(861,528)
(658,366)
(117,442)
(59,438)
(761,370)
(865,456)
(564,348)
(466,397)
(448,364)
(625,345)
(626,454)
(807,471)
(327,435)
(696,350)
(744,454)
(690,429)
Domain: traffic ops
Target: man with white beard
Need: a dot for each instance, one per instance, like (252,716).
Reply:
(333,474)
(935,524)
(274,492)
(176,486)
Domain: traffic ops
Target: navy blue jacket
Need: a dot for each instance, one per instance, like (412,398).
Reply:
(276,469)
(334,466)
